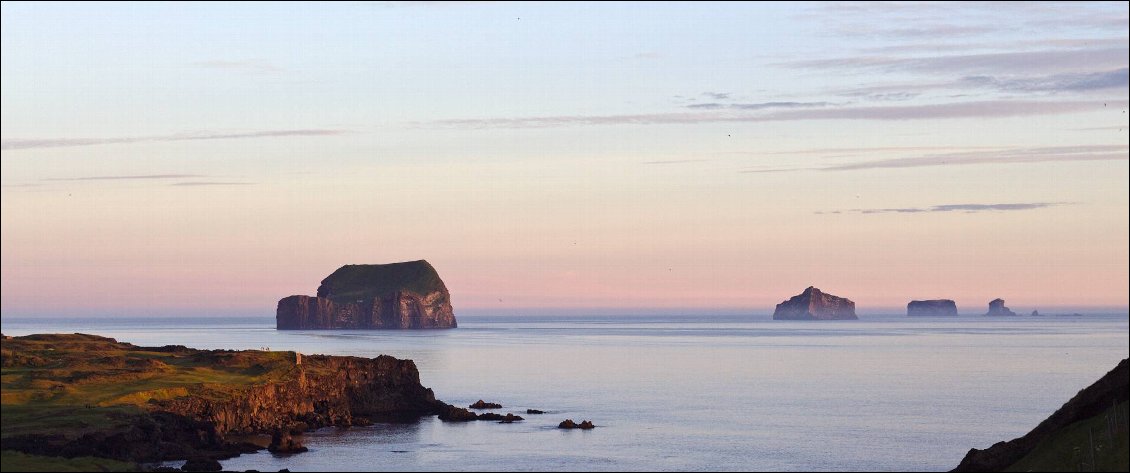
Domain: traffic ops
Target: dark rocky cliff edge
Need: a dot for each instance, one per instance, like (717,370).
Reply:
(931,308)
(87,396)
(407,295)
(812,304)
(1067,440)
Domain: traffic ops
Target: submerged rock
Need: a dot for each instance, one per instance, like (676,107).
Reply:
(569,424)
(485,405)
(534,411)
(407,295)
(283,442)
(997,307)
(812,304)
(931,308)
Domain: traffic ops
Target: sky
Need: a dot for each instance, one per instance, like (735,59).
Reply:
(210,159)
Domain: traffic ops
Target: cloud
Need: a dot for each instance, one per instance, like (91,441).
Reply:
(967,208)
(755,106)
(240,66)
(16,144)
(717,95)
(675,161)
(1043,61)
(1114,79)
(981,109)
(207,183)
(124,177)
(1010,155)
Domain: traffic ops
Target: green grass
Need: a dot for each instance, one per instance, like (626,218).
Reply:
(1070,448)
(16,461)
(354,282)
(72,384)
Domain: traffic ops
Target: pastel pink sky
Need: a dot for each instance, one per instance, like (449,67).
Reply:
(535,166)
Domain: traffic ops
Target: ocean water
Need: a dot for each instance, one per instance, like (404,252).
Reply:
(687,392)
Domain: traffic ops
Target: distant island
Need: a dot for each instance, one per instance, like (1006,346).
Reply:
(812,304)
(931,308)
(407,295)
(997,308)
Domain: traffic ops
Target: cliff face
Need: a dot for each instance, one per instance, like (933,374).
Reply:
(812,304)
(379,296)
(997,307)
(1054,435)
(323,390)
(937,307)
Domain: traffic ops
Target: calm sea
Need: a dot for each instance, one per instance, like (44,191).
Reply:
(686,392)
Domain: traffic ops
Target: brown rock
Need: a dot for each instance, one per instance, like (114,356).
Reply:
(407,295)
(282,442)
(485,405)
(812,304)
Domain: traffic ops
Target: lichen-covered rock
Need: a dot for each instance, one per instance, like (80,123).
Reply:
(812,304)
(407,295)
(997,307)
(931,308)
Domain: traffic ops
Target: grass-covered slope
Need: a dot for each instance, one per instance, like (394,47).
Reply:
(1089,433)
(355,282)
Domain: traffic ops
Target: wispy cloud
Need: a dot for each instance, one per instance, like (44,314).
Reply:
(966,208)
(755,106)
(1044,61)
(979,109)
(247,66)
(16,144)
(1115,79)
(125,177)
(210,183)
(1013,155)
(675,161)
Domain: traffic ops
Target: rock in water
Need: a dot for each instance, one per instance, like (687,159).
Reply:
(938,307)
(406,295)
(996,307)
(815,305)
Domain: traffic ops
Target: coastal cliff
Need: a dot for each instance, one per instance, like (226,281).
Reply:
(407,295)
(812,304)
(997,308)
(932,308)
(1088,433)
(88,396)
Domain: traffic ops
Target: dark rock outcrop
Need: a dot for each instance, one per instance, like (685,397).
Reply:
(407,295)
(451,413)
(812,304)
(534,411)
(485,405)
(1110,390)
(201,464)
(282,442)
(931,308)
(1036,313)
(569,424)
(997,307)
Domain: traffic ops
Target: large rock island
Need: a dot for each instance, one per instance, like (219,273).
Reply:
(812,304)
(407,295)
(932,308)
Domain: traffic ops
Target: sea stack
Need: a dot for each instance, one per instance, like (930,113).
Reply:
(932,308)
(812,304)
(996,307)
(407,295)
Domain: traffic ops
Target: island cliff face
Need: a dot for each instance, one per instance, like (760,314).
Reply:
(997,307)
(931,308)
(407,295)
(812,304)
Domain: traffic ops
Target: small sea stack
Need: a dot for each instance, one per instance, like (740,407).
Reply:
(997,308)
(813,304)
(932,308)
